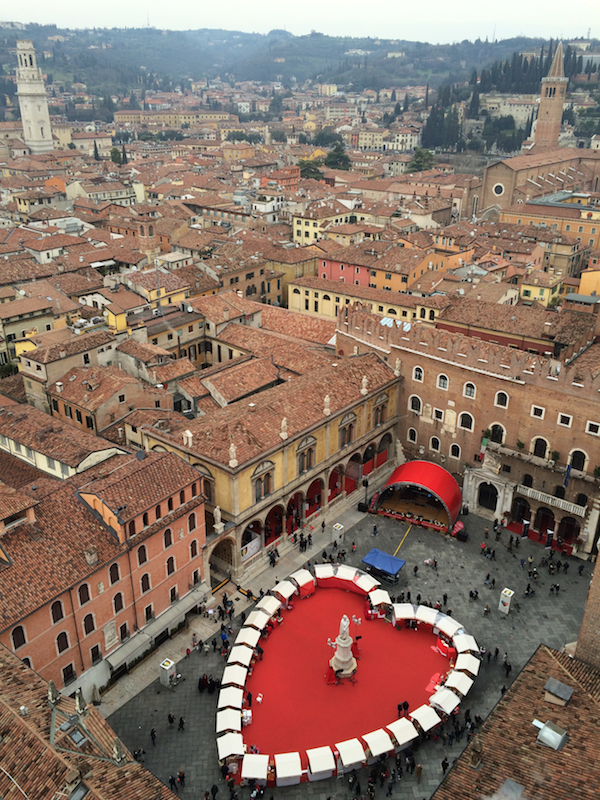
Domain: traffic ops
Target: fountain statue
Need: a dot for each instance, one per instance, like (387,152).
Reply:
(343,662)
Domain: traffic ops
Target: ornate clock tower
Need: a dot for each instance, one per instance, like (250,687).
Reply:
(33,100)
(554,88)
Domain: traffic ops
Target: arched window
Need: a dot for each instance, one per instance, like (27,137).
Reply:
(18,637)
(346,429)
(501,400)
(118,602)
(88,624)
(131,528)
(380,409)
(442,381)
(170,504)
(582,499)
(418,374)
(62,642)
(142,555)
(469,389)
(422,313)
(168,538)
(306,454)
(527,481)
(194,489)
(27,662)
(415,404)
(193,548)
(559,491)
(84,594)
(114,574)
(434,444)
(326,297)
(158,512)
(296,291)
(411,435)
(497,434)
(455,451)
(57,611)
(192,522)
(170,565)
(181,497)
(145,519)
(145,582)
(466,422)
(578,460)
(540,447)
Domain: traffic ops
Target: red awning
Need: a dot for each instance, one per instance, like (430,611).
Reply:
(432,478)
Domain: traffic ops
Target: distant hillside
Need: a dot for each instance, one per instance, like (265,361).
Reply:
(117,60)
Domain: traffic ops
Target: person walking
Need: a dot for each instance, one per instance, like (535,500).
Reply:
(507,668)
(153,736)
(405,707)
(374,530)
(415,570)
(249,699)
(214,790)
(419,771)
(181,778)
(444,765)
(445,598)
(173,784)
(496,653)
(171,718)
(181,726)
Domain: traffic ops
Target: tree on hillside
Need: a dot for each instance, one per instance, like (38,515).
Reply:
(124,159)
(278,136)
(96,153)
(405,108)
(310,169)
(327,137)
(422,159)
(115,155)
(337,158)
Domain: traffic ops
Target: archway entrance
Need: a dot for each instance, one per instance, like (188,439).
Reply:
(335,483)
(384,449)
(544,520)
(568,530)
(221,561)
(353,473)
(313,497)
(251,539)
(520,510)
(294,514)
(273,524)
(487,496)
(368,461)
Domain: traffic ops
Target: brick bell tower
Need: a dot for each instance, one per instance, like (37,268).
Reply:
(554,89)
(33,100)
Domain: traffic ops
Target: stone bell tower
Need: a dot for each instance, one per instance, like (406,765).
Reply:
(33,100)
(554,89)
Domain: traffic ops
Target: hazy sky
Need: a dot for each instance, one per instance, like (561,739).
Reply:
(434,21)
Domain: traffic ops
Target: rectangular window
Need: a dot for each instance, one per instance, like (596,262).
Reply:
(54,404)
(68,411)
(438,414)
(50,462)
(69,674)
(538,412)
(89,423)
(96,654)
(78,416)
(593,428)
(148,613)
(121,398)
(86,358)
(565,420)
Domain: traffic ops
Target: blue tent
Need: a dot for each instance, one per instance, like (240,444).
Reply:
(384,562)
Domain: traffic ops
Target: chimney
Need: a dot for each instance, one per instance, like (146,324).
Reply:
(59,386)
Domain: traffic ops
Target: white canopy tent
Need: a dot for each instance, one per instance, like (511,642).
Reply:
(459,681)
(257,619)
(426,717)
(232,744)
(302,577)
(445,700)
(366,582)
(378,742)
(345,572)
(269,604)
(240,654)
(448,625)
(464,642)
(288,769)
(426,614)
(403,731)
(255,766)
(380,596)
(402,611)
(285,589)
(234,674)
(352,754)
(321,763)
(230,697)
(468,663)
(229,719)
(248,636)
(323,571)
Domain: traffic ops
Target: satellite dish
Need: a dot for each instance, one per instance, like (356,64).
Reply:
(140,455)
(190,309)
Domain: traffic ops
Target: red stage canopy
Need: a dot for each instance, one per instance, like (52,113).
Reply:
(432,478)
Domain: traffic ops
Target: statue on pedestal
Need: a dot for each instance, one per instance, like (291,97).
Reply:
(343,662)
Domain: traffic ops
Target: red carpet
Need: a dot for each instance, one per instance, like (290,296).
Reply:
(300,710)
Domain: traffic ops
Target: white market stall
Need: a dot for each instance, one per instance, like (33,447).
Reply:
(232,744)
(229,719)
(427,615)
(403,731)
(240,654)
(234,674)
(468,663)
(352,754)
(258,620)
(445,700)
(248,636)
(426,717)
(269,604)
(304,581)
(378,742)
(367,583)
(401,611)
(465,643)
(284,590)
(459,681)
(230,697)
(321,763)
(379,597)
(288,769)
(255,767)
(448,625)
